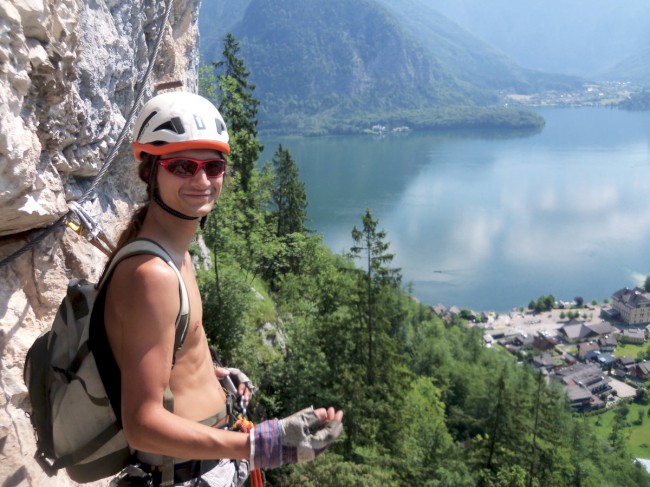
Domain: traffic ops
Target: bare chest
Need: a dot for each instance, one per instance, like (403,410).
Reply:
(195,333)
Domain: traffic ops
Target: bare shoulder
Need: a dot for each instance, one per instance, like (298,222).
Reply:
(143,288)
(144,274)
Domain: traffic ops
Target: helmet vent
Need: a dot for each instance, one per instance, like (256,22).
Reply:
(220,126)
(144,124)
(174,125)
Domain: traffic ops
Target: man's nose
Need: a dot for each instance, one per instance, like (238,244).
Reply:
(201,177)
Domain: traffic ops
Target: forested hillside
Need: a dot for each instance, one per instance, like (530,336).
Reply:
(344,65)
(469,59)
(425,402)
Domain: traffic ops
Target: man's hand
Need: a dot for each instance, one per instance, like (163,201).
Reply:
(298,438)
(243,385)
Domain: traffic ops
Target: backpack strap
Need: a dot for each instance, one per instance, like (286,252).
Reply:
(145,246)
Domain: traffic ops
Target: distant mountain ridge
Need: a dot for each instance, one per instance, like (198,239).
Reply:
(323,64)
(635,68)
(577,37)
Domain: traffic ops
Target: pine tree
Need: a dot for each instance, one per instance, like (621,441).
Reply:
(369,244)
(239,109)
(233,228)
(289,194)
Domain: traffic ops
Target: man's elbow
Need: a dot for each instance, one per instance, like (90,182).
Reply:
(139,434)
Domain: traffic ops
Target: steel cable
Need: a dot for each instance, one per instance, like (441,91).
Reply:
(111,156)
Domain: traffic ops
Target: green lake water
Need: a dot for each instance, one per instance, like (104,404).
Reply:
(489,221)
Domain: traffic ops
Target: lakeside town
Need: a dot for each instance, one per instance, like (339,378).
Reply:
(575,344)
(605,93)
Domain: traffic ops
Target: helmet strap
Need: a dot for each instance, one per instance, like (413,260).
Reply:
(156,197)
(171,211)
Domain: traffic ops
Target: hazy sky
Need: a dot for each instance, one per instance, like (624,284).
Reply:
(581,37)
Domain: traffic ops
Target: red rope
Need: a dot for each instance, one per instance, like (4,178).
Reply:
(256,475)
(256,478)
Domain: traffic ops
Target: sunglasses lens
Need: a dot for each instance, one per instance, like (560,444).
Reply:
(214,169)
(187,168)
(183,168)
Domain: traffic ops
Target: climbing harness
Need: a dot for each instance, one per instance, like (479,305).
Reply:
(242,423)
(109,160)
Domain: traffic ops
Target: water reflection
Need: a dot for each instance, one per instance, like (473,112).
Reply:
(490,223)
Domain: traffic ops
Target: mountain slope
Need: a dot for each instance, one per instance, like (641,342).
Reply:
(340,49)
(326,63)
(467,57)
(635,68)
(216,19)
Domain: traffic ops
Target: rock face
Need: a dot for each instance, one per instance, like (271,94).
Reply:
(70,71)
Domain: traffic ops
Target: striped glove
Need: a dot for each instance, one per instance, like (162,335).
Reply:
(298,438)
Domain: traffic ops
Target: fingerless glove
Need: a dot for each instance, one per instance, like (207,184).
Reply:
(300,437)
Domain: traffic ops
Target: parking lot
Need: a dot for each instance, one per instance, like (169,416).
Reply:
(548,321)
(622,389)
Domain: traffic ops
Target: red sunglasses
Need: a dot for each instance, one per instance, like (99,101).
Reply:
(185,167)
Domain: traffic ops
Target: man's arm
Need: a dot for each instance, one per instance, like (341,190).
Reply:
(142,304)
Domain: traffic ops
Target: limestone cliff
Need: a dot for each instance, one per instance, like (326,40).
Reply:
(69,74)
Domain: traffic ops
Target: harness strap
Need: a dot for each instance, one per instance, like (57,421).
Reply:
(158,460)
(181,472)
(216,418)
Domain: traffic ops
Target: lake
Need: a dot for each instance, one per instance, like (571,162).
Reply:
(489,221)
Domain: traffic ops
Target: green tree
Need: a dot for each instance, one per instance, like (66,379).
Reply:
(288,202)
(208,87)
(423,438)
(239,108)
(226,300)
(646,284)
(369,245)
(642,396)
(288,194)
(617,435)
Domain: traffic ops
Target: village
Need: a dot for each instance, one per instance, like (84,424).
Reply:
(606,93)
(575,344)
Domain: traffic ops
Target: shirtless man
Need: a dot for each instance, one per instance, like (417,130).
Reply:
(179,141)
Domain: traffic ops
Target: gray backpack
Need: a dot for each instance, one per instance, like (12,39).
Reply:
(74,421)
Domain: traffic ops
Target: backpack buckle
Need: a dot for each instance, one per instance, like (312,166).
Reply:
(45,463)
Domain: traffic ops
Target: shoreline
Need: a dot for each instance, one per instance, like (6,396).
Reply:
(529,321)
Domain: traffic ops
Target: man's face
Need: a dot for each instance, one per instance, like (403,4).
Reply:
(187,186)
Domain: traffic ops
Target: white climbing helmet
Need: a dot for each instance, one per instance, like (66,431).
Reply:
(177,121)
